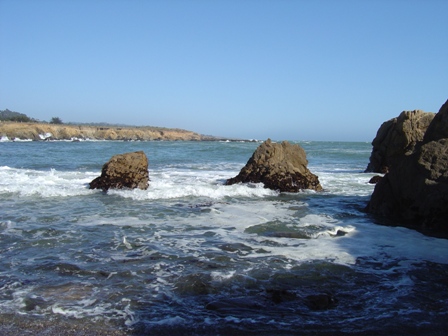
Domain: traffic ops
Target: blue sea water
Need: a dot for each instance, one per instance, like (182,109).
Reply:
(193,256)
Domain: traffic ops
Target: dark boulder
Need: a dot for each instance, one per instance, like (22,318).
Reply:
(375,179)
(129,170)
(414,193)
(397,137)
(279,166)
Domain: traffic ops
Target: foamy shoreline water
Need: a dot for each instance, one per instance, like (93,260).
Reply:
(192,254)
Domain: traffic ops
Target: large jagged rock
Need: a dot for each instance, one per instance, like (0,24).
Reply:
(397,137)
(438,129)
(129,170)
(280,167)
(414,193)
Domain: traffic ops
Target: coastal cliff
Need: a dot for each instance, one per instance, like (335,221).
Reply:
(414,192)
(42,131)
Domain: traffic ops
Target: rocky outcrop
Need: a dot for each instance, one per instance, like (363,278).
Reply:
(280,166)
(375,179)
(414,192)
(129,170)
(41,131)
(397,137)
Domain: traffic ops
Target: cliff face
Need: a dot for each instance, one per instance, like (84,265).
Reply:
(414,192)
(36,131)
(397,137)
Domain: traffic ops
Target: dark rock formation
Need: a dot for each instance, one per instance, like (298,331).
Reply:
(375,179)
(438,129)
(397,137)
(280,167)
(415,191)
(129,170)
(322,301)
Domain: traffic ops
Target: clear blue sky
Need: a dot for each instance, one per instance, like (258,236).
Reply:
(298,70)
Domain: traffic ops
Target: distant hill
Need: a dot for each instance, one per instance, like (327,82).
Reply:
(47,131)
(20,126)
(8,115)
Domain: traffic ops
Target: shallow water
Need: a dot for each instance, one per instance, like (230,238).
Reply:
(190,255)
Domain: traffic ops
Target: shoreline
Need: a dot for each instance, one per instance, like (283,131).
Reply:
(42,131)
(15,131)
(17,324)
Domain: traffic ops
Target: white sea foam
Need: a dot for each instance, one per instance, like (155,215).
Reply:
(6,139)
(144,245)
(52,183)
(360,239)
(229,221)
(45,136)
(174,320)
(22,140)
(170,184)
(165,185)
(81,310)
(165,189)
(346,183)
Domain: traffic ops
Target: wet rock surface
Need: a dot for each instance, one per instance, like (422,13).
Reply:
(129,170)
(415,191)
(280,166)
(375,179)
(397,137)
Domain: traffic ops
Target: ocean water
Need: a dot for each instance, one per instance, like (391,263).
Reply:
(193,256)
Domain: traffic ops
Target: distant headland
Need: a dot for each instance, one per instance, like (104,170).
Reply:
(16,126)
(41,131)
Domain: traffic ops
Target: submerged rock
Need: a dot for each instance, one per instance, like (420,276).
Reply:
(280,295)
(415,191)
(280,166)
(129,170)
(397,137)
(322,301)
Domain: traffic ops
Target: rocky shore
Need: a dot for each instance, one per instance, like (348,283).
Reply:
(414,191)
(42,131)
(15,325)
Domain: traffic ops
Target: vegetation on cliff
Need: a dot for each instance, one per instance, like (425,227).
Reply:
(18,126)
(7,115)
(44,131)
(15,125)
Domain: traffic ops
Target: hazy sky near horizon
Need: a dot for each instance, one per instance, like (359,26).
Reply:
(297,70)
